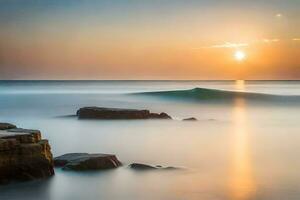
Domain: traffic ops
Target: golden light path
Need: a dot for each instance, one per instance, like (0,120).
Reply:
(242,184)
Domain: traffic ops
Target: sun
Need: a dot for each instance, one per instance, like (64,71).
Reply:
(239,55)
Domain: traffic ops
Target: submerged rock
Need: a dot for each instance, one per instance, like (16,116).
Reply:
(85,161)
(118,113)
(24,155)
(190,119)
(140,166)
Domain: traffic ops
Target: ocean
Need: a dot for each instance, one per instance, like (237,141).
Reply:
(244,146)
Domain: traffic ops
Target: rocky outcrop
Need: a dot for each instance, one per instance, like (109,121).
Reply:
(190,119)
(24,155)
(85,161)
(5,126)
(118,113)
(142,167)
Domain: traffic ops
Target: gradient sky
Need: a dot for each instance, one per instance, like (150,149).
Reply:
(139,39)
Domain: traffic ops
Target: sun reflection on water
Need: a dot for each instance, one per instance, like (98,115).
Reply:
(242,184)
(240,85)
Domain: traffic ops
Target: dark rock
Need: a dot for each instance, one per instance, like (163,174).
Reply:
(5,126)
(140,166)
(85,161)
(24,155)
(159,116)
(118,113)
(190,119)
(171,168)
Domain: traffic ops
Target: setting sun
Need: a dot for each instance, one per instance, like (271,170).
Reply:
(239,55)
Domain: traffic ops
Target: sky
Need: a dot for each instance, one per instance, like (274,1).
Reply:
(149,39)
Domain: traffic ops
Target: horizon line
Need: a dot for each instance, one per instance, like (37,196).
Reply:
(148,80)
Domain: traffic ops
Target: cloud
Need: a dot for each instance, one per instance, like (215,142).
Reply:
(255,42)
(229,45)
(226,45)
(270,40)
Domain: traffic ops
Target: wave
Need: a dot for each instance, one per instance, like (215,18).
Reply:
(205,94)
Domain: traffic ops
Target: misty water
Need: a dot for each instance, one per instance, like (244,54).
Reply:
(239,149)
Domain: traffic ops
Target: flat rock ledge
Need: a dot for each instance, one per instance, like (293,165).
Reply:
(144,167)
(118,113)
(24,155)
(85,161)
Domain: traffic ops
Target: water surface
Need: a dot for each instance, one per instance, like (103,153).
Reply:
(240,149)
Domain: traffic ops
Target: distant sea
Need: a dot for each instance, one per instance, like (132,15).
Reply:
(245,144)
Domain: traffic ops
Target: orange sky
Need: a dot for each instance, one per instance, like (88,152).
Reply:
(149,40)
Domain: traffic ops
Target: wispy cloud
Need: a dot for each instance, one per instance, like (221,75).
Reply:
(270,40)
(229,45)
(255,42)
(226,45)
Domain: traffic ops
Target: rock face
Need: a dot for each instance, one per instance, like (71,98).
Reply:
(190,119)
(118,113)
(23,155)
(142,167)
(85,161)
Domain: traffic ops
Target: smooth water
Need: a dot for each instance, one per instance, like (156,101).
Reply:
(237,150)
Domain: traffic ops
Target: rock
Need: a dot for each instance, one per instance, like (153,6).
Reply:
(5,126)
(24,155)
(118,113)
(171,168)
(190,119)
(140,166)
(162,115)
(85,161)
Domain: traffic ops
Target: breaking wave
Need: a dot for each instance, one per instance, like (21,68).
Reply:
(205,94)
